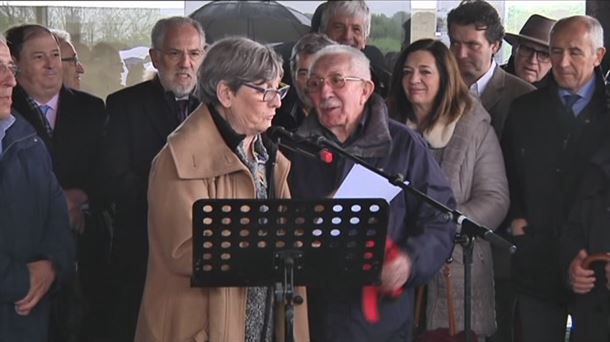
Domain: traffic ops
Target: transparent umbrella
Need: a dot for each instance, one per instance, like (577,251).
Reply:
(264,21)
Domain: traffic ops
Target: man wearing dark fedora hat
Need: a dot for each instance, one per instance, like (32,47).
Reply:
(530,60)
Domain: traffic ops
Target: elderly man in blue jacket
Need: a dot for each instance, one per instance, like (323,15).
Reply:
(349,114)
(36,248)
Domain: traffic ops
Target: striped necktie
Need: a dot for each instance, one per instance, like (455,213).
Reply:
(44,109)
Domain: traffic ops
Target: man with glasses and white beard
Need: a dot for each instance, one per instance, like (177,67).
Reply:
(140,119)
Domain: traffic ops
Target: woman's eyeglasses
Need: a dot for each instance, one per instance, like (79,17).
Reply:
(269,94)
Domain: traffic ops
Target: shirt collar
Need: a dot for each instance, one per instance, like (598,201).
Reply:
(585,92)
(51,103)
(479,86)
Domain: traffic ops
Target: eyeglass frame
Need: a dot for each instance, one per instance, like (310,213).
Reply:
(531,51)
(177,55)
(332,85)
(12,68)
(74,59)
(282,91)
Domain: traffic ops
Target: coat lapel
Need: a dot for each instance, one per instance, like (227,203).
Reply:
(161,114)
(493,93)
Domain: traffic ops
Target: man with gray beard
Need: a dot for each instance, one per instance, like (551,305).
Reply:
(140,119)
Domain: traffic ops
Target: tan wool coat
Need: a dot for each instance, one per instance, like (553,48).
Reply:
(196,164)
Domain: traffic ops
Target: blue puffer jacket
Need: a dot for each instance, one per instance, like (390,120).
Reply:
(33,226)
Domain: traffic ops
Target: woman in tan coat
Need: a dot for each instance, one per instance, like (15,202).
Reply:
(214,155)
(429,96)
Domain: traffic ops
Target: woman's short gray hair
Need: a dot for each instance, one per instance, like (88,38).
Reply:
(356,9)
(359,64)
(236,60)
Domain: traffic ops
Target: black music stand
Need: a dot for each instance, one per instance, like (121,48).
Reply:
(284,243)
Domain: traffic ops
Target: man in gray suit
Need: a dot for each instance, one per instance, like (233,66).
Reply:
(476,33)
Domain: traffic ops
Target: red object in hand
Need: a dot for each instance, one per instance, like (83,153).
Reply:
(371,294)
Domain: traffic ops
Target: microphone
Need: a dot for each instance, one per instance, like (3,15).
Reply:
(301,144)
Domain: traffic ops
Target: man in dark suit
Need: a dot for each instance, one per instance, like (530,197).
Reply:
(140,119)
(550,136)
(70,123)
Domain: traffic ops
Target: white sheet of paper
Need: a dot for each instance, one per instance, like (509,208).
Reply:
(360,182)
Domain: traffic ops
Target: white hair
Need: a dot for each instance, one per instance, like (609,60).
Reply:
(359,64)
(356,8)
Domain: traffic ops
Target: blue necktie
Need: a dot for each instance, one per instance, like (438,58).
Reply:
(570,100)
(44,109)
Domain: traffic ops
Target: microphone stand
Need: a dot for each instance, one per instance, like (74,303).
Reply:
(470,229)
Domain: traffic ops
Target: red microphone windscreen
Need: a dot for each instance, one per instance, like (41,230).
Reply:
(326,156)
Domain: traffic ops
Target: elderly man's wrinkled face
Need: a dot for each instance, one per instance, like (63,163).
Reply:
(72,68)
(532,61)
(472,51)
(7,81)
(40,69)
(338,93)
(179,59)
(574,57)
(347,30)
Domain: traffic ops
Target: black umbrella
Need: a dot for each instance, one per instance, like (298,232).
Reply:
(264,21)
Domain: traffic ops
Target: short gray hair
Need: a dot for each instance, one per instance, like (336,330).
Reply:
(308,45)
(359,63)
(236,60)
(61,35)
(356,8)
(593,27)
(162,26)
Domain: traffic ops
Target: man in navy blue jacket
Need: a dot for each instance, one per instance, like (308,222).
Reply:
(36,247)
(349,114)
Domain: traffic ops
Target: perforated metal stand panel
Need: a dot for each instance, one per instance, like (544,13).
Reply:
(338,241)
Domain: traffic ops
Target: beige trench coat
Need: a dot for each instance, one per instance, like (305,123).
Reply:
(194,164)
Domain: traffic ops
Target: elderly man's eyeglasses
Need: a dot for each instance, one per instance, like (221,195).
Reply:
(177,55)
(527,52)
(5,69)
(335,81)
(74,60)
(269,94)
